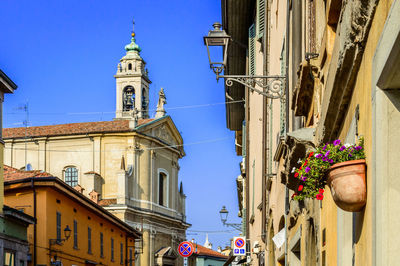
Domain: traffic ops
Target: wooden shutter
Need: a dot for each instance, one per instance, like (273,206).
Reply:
(260,18)
(252,50)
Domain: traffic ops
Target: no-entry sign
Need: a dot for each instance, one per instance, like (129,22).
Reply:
(185,249)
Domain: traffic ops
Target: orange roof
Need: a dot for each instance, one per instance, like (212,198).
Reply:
(203,251)
(72,129)
(11,173)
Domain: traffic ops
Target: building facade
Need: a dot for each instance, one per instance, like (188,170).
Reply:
(13,223)
(70,228)
(130,165)
(339,61)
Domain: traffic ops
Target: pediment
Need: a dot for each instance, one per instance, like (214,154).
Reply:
(164,133)
(164,130)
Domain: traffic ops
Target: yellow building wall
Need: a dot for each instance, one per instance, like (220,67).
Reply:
(49,202)
(328,242)
(362,97)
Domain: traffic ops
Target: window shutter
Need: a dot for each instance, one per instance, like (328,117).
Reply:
(244,139)
(260,18)
(58,224)
(252,55)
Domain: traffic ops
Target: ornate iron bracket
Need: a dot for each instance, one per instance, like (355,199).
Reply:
(269,86)
(233,225)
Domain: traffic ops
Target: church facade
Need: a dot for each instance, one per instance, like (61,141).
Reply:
(129,165)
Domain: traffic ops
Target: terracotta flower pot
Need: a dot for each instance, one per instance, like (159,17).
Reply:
(347,183)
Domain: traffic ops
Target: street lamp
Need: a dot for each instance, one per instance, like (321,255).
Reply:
(224,216)
(67,232)
(268,86)
(217,37)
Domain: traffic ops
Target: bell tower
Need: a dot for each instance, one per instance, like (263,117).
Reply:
(132,83)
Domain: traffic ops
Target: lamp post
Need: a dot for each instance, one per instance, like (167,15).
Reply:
(268,86)
(56,241)
(224,217)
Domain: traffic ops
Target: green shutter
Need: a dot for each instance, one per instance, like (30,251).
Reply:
(260,18)
(252,50)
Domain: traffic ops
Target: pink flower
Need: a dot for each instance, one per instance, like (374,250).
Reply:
(320,196)
(296,174)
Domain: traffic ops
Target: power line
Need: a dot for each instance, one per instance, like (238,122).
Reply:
(141,149)
(212,232)
(150,110)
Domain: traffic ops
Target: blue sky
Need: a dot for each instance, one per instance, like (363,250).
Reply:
(63,55)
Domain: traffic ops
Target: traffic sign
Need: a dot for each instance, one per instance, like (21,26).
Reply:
(185,249)
(239,246)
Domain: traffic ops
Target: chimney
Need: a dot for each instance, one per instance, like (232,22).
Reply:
(94,196)
(79,189)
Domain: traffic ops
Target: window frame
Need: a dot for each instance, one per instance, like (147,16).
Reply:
(71,175)
(122,253)
(101,245)
(130,256)
(165,190)
(112,249)
(89,240)
(58,226)
(75,234)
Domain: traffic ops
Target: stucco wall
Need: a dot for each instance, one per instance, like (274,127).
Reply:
(50,202)
(361,97)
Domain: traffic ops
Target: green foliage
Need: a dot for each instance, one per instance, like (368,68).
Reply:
(315,166)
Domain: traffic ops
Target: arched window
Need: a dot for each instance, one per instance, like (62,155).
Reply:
(71,176)
(129,66)
(128,98)
(162,188)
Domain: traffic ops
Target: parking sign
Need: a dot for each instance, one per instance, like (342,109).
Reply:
(239,246)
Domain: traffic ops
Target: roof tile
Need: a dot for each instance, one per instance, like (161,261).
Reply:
(201,250)
(11,173)
(72,129)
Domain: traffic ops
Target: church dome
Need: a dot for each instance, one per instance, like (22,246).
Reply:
(132,46)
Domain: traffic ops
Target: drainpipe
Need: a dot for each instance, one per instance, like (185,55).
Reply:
(247,191)
(287,121)
(34,225)
(266,133)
